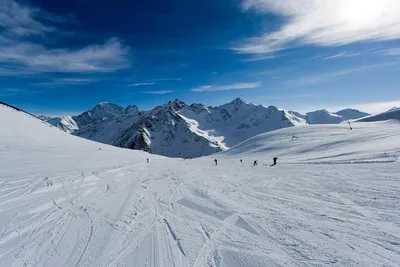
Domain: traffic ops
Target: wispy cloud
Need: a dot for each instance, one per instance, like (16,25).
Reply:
(165,80)
(324,23)
(17,19)
(15,91)
(160,92)
(258,58)
(327,77)
(235,86)
(342,55)
(64,81)
(20,21)
(390,52)
(140,84)
(107,57)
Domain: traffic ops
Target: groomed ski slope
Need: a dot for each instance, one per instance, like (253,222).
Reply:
(332,200)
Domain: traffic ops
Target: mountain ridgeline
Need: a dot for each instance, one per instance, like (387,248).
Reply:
(180,130)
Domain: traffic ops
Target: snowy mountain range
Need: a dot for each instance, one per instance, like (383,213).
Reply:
(180,130)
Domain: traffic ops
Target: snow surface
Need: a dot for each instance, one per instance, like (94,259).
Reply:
(392,114)
(332,200)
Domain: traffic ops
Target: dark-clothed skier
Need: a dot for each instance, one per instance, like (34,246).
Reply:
(147,160)
(255,163)
(216,161)
(274,159)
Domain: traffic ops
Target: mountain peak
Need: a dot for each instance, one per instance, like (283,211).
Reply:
(393,109)
(131,109)
(238,101)
(176,100)
(176,104)
(351,114)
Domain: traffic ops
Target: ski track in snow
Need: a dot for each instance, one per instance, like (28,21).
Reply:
(248,216)
(109,208)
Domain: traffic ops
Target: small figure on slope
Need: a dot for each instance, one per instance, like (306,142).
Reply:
(255,163)
(148,161)
(216,161)
(274,159)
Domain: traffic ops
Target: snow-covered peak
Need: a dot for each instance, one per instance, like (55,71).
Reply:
(351,114)
(43,118)
(393,109)
(100,112)
(109,108)
(199,108)
(237,105)
(67,124)
(131,110)
(237,101)
(176,104)
(297,114)
(323,117)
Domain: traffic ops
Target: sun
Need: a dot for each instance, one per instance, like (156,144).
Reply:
(363,12)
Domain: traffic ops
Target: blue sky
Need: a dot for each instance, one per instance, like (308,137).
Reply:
(63,57)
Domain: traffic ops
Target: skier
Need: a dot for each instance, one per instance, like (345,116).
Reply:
(241,160)
(274,159)
(147,160)
(216,161)
(255,163)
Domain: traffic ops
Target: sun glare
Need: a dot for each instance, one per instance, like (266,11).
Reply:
(361,12)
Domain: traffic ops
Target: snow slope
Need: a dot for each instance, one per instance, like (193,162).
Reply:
(332,200)
(392,114)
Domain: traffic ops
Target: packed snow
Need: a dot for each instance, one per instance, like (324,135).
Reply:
(332,200)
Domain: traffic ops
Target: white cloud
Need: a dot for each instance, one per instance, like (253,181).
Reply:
(257,58)
(64,81)
(165,80)
(73,80)
(161,92)
(325,23)
(342,55)
(391,52)
(17,19)
(20,21)
(107,57)
(235,86)
(140,84)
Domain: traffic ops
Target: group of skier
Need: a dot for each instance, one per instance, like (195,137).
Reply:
(255,163)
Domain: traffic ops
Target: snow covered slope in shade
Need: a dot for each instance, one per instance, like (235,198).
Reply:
(323,117)
(392,114)
(64,202)
(351,114)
